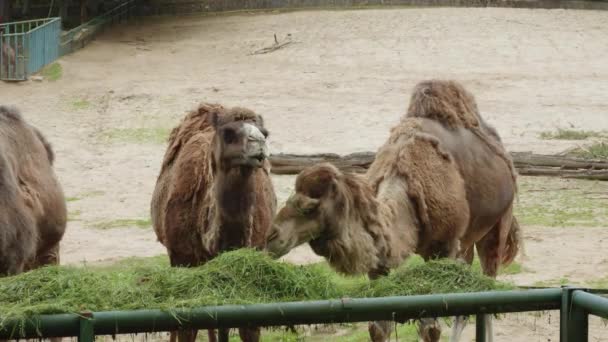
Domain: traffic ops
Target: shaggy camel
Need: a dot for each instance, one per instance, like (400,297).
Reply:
(8,58)
(33,213)
(214,192)
(431,190)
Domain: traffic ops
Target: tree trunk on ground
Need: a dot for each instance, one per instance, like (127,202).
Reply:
(526,163)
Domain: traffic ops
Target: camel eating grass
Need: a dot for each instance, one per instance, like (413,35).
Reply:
(434,189)
(214,192)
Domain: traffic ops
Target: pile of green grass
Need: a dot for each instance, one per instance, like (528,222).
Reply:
(239,277)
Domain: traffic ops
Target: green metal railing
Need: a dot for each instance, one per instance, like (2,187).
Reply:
(575,306)
(27,46)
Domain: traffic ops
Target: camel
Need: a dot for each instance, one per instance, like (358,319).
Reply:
(432,190)
(214,191)
(8,58)
(33,212)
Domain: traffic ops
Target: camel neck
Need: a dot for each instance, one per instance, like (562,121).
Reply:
(235,200)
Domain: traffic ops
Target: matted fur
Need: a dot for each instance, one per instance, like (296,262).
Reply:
(33,214)
(448,102)
(184,207)
(434,184)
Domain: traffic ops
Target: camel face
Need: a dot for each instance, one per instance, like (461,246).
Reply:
(298,222)
(241,144)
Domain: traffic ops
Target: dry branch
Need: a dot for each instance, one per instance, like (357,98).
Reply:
(274,47)
(526,163)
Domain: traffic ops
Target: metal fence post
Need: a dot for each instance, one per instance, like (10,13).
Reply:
(87,331)
(574,321)
(480,328)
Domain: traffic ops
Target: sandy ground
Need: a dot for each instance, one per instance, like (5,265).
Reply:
(339,88)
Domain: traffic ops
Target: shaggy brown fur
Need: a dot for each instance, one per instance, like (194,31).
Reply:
(431,190)
(202,205)
(449,103)
(33,214)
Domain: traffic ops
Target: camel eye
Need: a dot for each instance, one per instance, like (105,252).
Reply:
(229,136)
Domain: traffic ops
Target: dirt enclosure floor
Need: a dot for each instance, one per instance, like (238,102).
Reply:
(339,87)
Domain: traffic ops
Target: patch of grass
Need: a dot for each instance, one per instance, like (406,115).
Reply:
(74,215)
(81,104)
(122,223)
(239,277)
(157,135)
(555,202)
(571,134)
(84,195)
(553,282)
(598,150)
(52,72)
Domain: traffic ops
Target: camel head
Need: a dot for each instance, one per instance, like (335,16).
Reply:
(240,139)
(333,212)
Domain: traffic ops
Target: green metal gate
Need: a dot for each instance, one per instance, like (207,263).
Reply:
(27,46)
(575,305)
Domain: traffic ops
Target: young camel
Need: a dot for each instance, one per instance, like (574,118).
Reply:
(413,199)
(214,192)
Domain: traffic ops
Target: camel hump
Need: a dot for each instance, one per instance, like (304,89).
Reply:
(446,101)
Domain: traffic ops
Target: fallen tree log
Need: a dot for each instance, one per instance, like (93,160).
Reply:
(527,163)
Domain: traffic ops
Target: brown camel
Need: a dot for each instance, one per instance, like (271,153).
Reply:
(33,213)
(214,192)
(8,58)
(431,190)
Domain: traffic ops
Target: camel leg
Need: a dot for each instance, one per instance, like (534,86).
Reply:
(211,335)
(460,322)
(250,334)
(186,335)
(430,330)
(490,249)
(223,335)
(380,331)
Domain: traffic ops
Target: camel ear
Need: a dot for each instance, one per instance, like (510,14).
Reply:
(260,120)
(308,205)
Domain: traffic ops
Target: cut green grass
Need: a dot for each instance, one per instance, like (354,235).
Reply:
(157,135)
(123,223)
(52,72)
(555,202)
(239,277)
(571,134)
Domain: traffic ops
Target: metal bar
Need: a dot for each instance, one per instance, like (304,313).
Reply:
(578,319)
(480,328)
(87,330)
(293,313)
(592,304)
(564,314)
